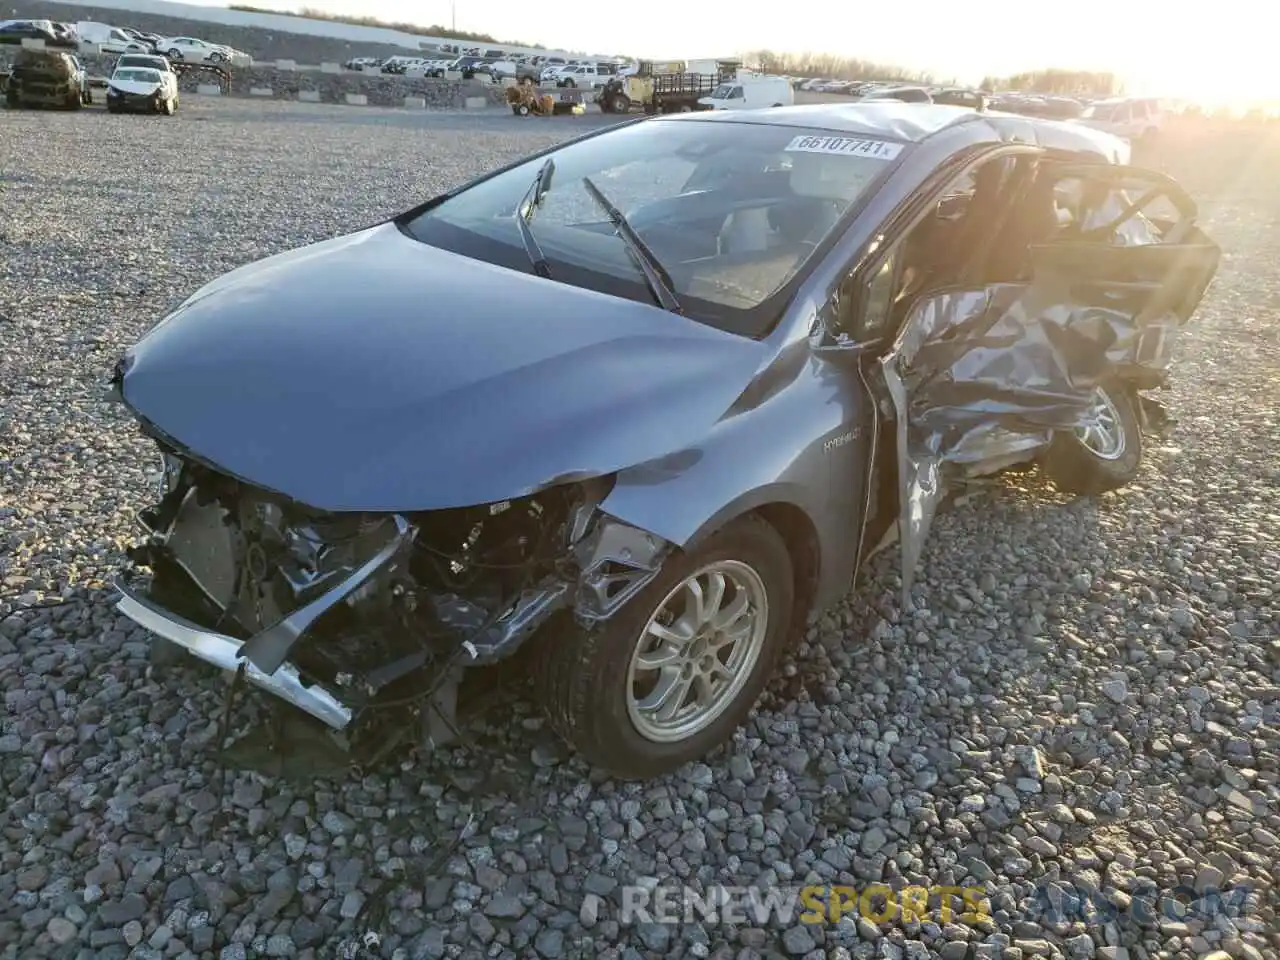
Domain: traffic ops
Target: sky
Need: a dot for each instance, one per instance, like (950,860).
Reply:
(1220,52)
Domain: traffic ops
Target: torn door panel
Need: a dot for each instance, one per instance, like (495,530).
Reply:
(978,368)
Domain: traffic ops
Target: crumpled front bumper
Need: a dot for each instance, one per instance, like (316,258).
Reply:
(224,652)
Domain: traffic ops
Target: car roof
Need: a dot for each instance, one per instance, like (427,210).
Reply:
(915,122)
(894,120)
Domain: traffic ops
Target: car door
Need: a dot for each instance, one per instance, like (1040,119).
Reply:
(1087,277)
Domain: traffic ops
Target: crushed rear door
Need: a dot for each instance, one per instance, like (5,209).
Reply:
(1108,291)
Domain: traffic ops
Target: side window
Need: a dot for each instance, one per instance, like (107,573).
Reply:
(877,301)
(735,93)
(936,251)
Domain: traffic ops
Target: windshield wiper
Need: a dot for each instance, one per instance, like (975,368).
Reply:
(655,274)
(531,201)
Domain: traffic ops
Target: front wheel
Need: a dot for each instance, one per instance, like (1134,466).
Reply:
(174,54)
(673,674)
(1104,454)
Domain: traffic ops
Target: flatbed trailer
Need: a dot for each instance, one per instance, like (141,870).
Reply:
(663,88)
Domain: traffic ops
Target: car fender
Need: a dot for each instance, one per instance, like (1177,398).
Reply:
(789,440)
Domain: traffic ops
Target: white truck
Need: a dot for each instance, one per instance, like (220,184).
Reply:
(107,38)
(750,91)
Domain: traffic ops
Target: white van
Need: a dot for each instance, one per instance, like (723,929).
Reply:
(107,38)
(749,92)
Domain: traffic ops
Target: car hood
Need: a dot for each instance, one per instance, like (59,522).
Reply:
(374,372)
(140,87)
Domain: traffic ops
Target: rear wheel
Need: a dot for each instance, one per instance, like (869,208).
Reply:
(673,674)
(1106,453)
(74,101)
(174,53)
(523,110)
(11,97)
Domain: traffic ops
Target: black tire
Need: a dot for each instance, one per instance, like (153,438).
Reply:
(621,103)
(219,58)
(523,110)
(581,675)
(11,98)
(174,54)
(74,102)
(112,108)
(1074,468)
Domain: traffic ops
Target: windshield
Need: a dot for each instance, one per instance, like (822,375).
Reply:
(721,92)
(1103,111)
(138,75)
(732,211)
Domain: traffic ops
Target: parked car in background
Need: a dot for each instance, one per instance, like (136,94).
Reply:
(50,78)
(362,63)
(582,75)
(141,90)
(396,66)
(959,97)
(1037,105)
(149,40)
(109,39)
(903,94)
(1134,118)
(152,61)
(65,34)
(193,50)
(15,31)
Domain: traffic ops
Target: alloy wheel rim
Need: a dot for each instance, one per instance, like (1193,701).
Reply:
(697,651)
(1103,432)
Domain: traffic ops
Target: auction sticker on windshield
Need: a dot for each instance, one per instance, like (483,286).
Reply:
(845,146)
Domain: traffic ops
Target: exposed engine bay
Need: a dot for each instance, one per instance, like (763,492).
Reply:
(349,616)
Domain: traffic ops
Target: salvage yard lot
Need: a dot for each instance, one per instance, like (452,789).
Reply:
(1133,641)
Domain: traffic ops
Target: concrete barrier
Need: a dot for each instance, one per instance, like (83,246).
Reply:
(453,75)
(416,103)
(286,64)
(209,90)
(309,96)
(330,68)
(357,99)
(509,81)
(32,43)
(261,92)
(476,103)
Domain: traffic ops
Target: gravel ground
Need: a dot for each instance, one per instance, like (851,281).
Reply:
(1084,692)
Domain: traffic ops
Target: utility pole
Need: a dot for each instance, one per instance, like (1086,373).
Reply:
(453,10)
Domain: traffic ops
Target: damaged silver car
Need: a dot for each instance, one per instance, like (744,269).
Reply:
(640,406)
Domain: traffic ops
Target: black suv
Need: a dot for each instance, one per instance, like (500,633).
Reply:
(47,78)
